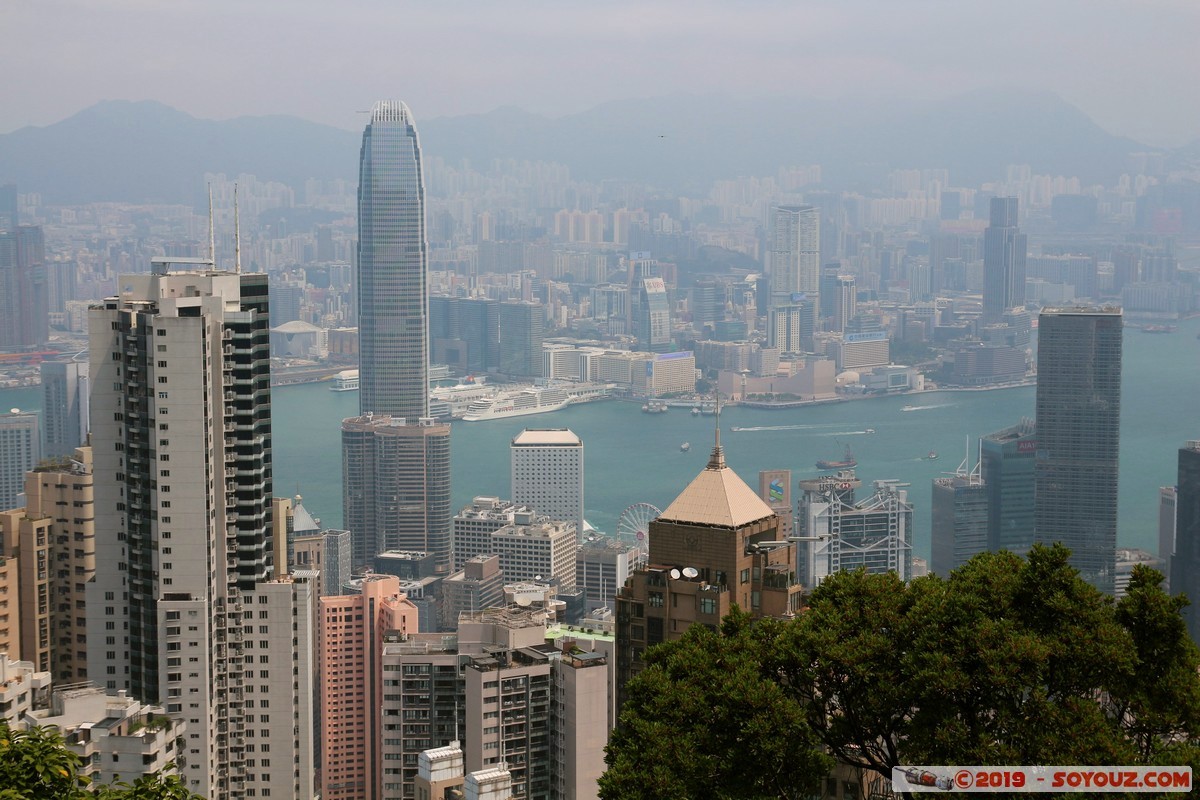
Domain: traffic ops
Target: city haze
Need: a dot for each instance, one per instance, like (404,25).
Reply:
(1124,64)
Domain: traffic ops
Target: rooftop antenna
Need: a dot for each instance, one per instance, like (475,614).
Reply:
(212,232)
(717,461)
(237,235)
(964,468)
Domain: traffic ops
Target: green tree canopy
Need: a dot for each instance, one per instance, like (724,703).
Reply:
(1006,661)
(36,764)
(704,719)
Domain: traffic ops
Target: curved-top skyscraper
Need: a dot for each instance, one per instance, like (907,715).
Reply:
(392,266)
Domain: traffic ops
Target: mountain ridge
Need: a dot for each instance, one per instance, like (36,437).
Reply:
(146,151)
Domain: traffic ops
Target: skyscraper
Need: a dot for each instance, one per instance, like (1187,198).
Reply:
(959,526)
(794,252)
(1078,436)
(521,332)
(183,519)
(24,296)
(65,397)
(1006,462)
(547,474)
(651,313)
(392,267)
(20,451)
(395,459)
(396,487)
(1004,251)
(1185,563)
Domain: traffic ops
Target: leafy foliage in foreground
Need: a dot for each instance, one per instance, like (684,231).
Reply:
(36,765)
(1006,661)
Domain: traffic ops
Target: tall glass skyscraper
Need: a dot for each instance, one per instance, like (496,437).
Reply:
(395,460)
(1185,562)
(1004,251)
(392,266)
(795,252)
(1078,436)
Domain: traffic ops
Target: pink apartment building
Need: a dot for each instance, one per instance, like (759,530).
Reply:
(351,634)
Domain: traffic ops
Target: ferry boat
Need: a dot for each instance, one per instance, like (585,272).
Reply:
(848,461)
(345,381)
(518,403)
(683,448)
(655,407)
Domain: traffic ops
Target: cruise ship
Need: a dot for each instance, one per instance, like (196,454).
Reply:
(531,400)
(345,381)
(518,403)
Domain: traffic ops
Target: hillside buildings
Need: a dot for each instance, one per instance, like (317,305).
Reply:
(186,608)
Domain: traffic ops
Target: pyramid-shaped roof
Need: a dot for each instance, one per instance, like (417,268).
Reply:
(302,521)
(717,496)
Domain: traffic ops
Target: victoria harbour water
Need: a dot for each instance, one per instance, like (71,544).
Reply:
(632,457)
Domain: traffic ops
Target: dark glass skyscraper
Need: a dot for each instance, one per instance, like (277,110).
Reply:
(1078,436)
(1004,250)
(392,266)
(1185,563)
(1007,467)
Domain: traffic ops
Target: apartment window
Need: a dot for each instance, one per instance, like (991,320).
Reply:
(162,363)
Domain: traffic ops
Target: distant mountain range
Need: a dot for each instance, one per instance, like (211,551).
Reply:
(146,151)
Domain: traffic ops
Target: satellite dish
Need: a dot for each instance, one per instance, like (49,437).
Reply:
(691,572)
(674,574)
(524,601)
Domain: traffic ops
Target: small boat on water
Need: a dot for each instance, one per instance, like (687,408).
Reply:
(683,448)
(869,430)
(909,408)
(655,407)
(695,411)
(735,429)
(848,461)
(932,455)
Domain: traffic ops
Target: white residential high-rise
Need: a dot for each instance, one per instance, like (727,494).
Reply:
(183,608)
(547,473)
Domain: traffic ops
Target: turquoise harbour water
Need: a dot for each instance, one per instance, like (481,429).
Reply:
(633,457)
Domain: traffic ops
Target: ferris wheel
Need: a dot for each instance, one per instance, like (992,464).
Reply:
(633,527)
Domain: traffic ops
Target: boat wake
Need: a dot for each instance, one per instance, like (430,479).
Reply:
(778,428)
(925,408)
(845,433)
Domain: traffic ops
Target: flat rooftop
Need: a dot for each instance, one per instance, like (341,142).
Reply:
(532,437)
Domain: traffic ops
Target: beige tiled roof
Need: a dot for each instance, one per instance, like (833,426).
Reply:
(717,496)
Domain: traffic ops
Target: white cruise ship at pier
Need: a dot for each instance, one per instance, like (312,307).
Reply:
(532,400)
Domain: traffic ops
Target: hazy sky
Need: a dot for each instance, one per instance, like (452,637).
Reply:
(1132,65)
